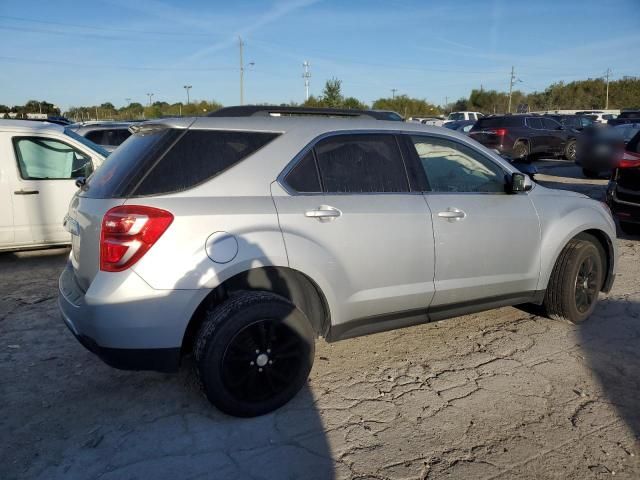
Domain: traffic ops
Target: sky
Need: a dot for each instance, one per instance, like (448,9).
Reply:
(74,53)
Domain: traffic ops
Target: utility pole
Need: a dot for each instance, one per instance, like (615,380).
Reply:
(128,100)
(512,81)
(242,68)
(187,88)
(306,75)
(241,44)
(393,93)
(606,105)
(446,104)
(150,95)
(96,113)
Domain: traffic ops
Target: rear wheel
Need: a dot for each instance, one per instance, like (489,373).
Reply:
(520,150)
(630,228)
(576,280)
(254,353)
(570,150)
(590,173)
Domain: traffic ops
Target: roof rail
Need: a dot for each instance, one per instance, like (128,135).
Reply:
(273,110)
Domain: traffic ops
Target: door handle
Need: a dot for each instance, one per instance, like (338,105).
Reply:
(323,211)
(452,214)
(26,192)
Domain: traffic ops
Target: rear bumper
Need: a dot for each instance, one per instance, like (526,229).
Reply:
(622,210)
(125,322)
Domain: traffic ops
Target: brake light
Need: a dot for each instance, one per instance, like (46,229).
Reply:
(501,132)
(629,160)
(128,232)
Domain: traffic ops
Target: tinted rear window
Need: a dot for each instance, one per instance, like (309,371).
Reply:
(497,122)
(198,156)
(170,160)
(125,167)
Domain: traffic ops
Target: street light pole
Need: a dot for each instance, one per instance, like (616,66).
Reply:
(393,93)
(606,105)
(187,88)
(241,45)
(150,95)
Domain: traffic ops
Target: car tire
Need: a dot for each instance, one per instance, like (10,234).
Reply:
(520,150)
(630,228)
(590,173)
(253,353)
(576,280)
(570,150)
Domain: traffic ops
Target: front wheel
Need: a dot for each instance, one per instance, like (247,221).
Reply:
(254,353)
(520,150)
(576,280)
(570,150)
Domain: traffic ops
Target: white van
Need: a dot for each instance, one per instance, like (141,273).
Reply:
(457,116)
(39,165)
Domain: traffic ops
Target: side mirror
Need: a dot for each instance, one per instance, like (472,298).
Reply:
(80,181)
(519,183)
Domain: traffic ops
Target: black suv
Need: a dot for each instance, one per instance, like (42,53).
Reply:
(623,192)
(521,135)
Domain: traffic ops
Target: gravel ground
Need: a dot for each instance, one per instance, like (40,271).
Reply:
(500,394)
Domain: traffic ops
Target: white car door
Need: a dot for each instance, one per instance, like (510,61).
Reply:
(7,172)
(46,171)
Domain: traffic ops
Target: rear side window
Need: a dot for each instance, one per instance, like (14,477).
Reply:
(198,156)
(363,163)
(498,122)
(536,123)
(550,124)
(162,160)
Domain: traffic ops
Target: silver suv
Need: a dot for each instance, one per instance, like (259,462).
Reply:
(241,240)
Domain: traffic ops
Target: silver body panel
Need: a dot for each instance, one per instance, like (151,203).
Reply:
(383,254)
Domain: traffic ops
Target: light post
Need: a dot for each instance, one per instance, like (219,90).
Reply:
(150,95)
(187,88)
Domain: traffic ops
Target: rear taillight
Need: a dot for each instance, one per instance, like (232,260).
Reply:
(629,160)
(501,132)
(128,232)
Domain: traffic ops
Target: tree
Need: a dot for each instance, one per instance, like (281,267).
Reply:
(407,106)
(332,93)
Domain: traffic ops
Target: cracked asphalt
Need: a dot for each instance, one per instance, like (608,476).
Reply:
(501,394)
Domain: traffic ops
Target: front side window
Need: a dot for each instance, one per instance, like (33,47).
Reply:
(41,158)
(453,167)
(550,124)
(361,163)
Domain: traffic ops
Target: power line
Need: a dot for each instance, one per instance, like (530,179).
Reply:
(35,61)
(106,29)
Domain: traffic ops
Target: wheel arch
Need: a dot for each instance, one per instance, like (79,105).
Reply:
(604,241)
(289,283)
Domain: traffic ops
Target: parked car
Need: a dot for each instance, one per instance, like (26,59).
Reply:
(626,116)
(39,165)
(575,122)
(522,135)
(623,191)
(244,239)
(598,149)
(462,126)
(107,134)
(457,116)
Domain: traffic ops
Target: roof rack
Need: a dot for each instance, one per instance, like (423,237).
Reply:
(276,111)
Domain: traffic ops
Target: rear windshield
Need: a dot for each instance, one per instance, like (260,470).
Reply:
(632,114)
(165,160)
(496,122)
